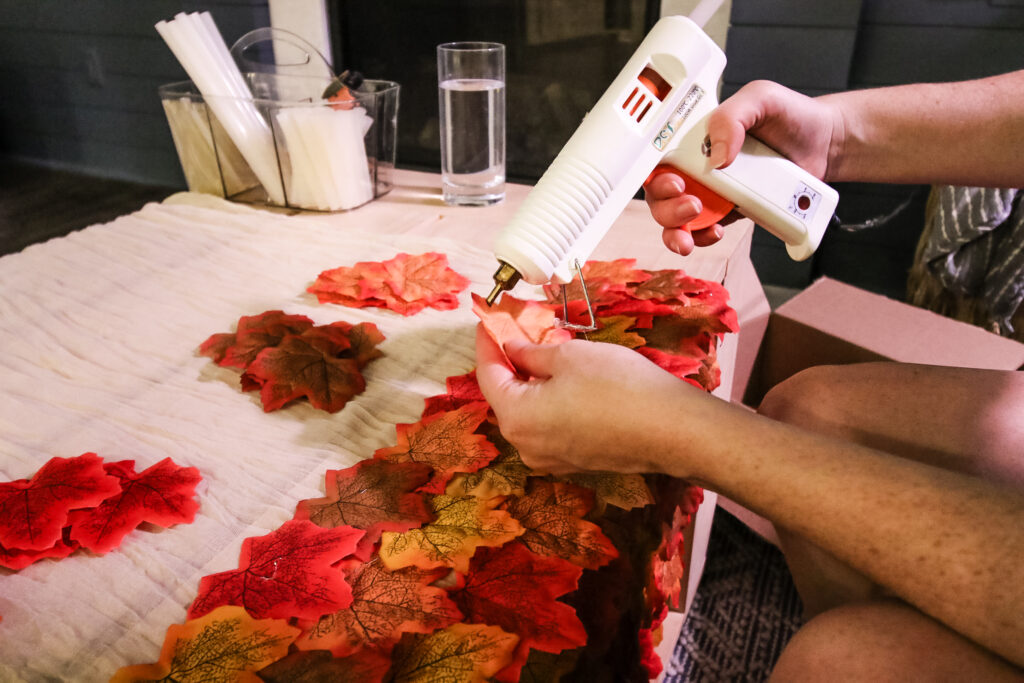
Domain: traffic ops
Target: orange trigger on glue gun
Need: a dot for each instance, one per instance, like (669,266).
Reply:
(715,206)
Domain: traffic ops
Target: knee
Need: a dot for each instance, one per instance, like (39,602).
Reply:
(807,399)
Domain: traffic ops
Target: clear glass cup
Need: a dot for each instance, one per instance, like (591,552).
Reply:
(471,101)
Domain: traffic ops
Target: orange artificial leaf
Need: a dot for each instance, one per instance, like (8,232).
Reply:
(461,653)
(320,666)
(505,475)
(405,284)
(606,281)
(462,525)
(287,573)
(373,495)
(626,491)
(615,330)
(385,604)
(445,441)
(552,515)
(460,390)
(511,318)
(225,645)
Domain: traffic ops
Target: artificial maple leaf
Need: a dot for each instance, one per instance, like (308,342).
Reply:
(605,281)
(163,494)
(461,653)
(552,515)
(511,318)
(548,667)
(320,666)
(300,367)
(405,284)
(668,576)
(252,334)
(460,390)
(33,511)
(624,491)
(505,475)
(285,574)
(516,589)
(373,495)
(681,366)
(445,441)
(225,645)
(615,330)
(15,559)
(462,525)
(385,604)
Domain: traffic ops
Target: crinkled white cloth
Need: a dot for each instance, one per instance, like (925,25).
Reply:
(98,338)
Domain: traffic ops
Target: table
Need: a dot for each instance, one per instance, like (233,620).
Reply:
(98,338)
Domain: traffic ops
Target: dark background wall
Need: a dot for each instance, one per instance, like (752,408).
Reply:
(78,82)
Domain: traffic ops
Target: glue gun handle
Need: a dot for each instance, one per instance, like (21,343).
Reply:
(714,207)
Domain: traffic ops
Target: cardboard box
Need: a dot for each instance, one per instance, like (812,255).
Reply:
(832,323)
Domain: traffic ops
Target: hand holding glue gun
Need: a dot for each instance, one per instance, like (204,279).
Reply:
(656,111)
(799,127)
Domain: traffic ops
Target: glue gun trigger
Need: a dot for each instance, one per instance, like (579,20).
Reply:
(714,206)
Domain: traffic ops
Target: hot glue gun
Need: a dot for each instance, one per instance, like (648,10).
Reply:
(655,112)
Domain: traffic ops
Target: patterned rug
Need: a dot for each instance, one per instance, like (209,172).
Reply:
(745,611)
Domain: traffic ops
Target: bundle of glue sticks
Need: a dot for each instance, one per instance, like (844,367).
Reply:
(322,142)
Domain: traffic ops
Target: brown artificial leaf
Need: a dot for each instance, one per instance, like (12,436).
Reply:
(299,367)
(505,475)
(462,525)
(320,666)
(385,604)
(615,330)
(252,334)
(552,515)
(461,653)
(548,667)
(626,491)
(445,441)
(225,645)
(373,495)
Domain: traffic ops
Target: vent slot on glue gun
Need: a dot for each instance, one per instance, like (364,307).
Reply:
(650,88)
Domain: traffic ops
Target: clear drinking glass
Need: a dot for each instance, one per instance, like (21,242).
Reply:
(471,97)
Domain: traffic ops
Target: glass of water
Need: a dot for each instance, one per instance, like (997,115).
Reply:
(471,95)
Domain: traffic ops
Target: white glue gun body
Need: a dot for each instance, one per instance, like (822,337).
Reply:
(654,112)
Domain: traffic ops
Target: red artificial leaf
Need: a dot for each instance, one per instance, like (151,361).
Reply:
(462,525)
(517,590)
(405,284)
(300,367)
(373,495)
(462,652)
(162,494)
(320,666)
(253,334)
(33,511)
(385,604)
(446,442)
(552,515)
(606,281)
(19,559)
(679,365)
(461,389)
(225,645)
(285,574)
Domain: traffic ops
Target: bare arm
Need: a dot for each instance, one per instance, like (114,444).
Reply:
(950,544)
(966,133)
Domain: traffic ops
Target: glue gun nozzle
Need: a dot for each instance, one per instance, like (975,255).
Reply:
(505,279)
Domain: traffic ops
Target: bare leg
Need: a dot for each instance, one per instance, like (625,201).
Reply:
(885,641)
(971,421)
